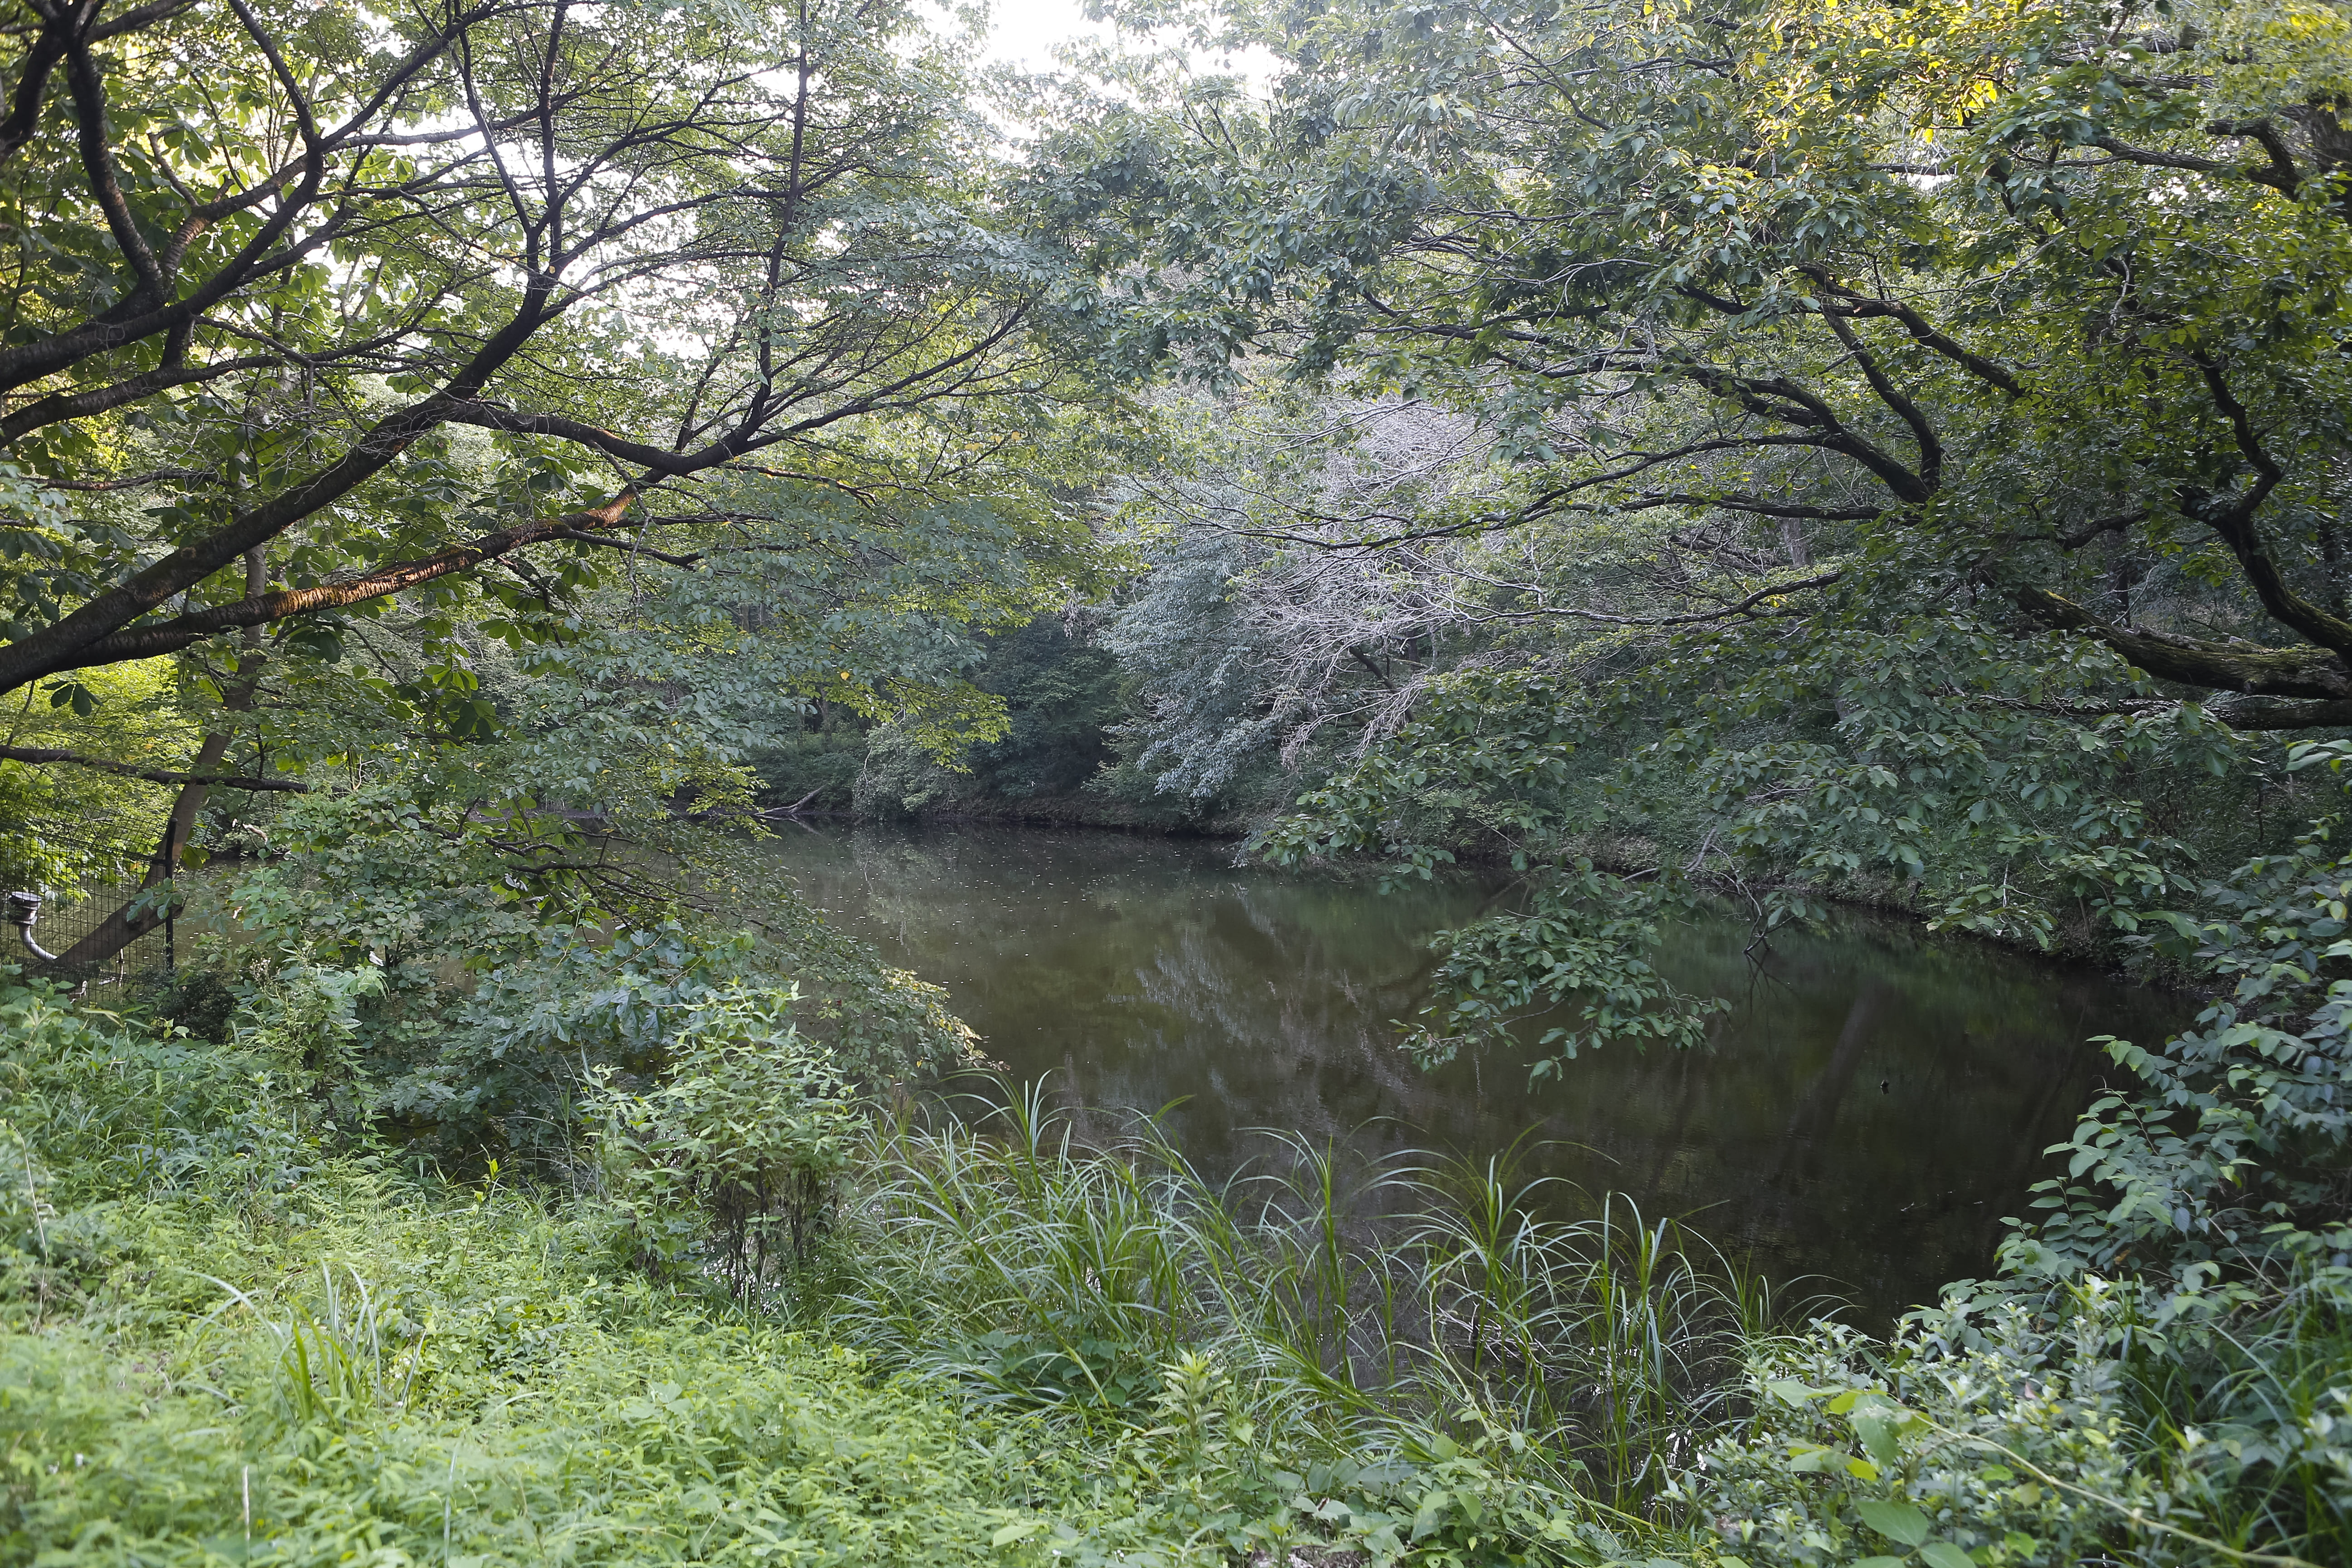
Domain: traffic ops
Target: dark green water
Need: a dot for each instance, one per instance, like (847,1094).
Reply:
(1868,1111)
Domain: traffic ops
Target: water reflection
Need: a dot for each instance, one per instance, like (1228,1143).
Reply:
(1869,1107)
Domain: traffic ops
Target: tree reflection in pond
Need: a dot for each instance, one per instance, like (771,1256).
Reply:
(1872,1104)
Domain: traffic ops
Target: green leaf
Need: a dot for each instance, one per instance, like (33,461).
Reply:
(1895,1520)
(83,701)
(1944,1554)
(1875,1428)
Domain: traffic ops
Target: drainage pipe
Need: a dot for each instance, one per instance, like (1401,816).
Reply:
(23,910)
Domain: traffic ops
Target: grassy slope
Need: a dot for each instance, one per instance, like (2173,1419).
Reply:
(207,1323)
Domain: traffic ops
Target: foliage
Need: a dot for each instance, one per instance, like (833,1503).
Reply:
(596,393)
(1990,1432)
(1892,453)
(2233,1147)
(1260,643)
(1770,454)
(1915,451)
(809,769)
(1039,1273)
(1579,938)
(516,250)
(471,1032)
(223,1343)
(58,828)
(751,1128)
(390,1364)
(1197,729)
(1945,296)
(1059,695)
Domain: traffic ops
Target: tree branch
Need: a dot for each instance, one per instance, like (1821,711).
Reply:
(1924,331)
(633,546)
(261,609)
(64,643)
(40,756)
(1931,451)
(1739,607)
(63,405)
(2077,538)
(25,102)
(1736,502)
(2273,714)
(2303,672)
(2233,521)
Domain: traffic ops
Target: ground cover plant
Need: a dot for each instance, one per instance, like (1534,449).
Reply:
(227,1342)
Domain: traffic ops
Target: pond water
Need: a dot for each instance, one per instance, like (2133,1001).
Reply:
(1872,1105)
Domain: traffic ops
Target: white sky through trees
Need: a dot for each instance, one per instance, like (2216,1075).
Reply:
(1026,32)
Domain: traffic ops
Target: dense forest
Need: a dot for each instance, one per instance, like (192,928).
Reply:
(473,469)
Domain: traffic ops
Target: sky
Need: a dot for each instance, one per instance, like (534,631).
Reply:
(1026,32)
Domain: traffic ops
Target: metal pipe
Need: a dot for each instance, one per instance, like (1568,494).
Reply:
(24,909)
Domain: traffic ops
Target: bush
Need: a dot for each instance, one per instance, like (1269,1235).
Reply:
(742,1148)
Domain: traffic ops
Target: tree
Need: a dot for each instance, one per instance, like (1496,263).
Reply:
(443,324)
(1910,429)
(1263,638)
(2012,291)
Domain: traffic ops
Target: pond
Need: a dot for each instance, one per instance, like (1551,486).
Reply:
(1872,1105)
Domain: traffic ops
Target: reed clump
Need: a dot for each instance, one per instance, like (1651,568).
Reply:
(1380,1307)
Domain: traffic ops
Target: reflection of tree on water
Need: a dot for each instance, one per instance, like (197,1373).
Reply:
(1817,1107)
(1139,972)
(1273,1020)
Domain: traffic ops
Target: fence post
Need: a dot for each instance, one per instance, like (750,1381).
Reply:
(170,954)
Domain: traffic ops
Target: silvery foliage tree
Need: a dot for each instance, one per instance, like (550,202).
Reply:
(1316,563)
(1273,628)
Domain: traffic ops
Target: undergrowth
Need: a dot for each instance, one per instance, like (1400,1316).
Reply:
(222,1342)
(743,1315)
(229,1334)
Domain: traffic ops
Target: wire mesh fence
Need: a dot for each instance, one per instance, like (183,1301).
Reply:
(69,913)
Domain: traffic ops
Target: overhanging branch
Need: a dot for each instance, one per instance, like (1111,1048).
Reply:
(2255,671)
(41,756)
(261,609)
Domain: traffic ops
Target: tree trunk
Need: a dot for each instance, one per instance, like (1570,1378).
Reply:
(1792,541)
(122,927)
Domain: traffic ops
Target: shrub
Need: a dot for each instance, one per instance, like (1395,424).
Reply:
(743,1147)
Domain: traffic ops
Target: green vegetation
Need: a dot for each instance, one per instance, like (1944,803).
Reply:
(226,1343)
(459,463)
(968,1349)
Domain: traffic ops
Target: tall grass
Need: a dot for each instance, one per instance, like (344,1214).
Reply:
(335,1363)
(1361,1306)
(2259,1407)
